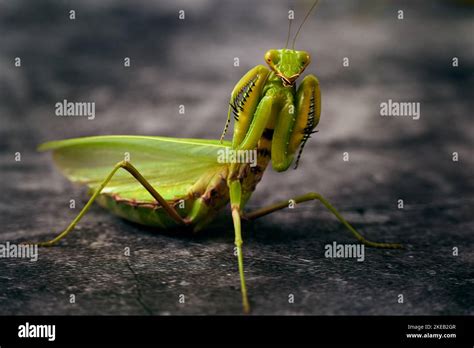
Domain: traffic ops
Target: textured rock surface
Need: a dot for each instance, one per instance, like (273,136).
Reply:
(191,63)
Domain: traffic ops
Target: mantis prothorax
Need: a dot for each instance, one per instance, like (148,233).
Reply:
(272,116)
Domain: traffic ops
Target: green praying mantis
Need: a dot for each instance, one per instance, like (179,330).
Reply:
(172,182)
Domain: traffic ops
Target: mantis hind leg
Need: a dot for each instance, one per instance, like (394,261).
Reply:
(316,196)
(136,174)
(235,190)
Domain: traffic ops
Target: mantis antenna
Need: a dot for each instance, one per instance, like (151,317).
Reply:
(304,20)
(289,31)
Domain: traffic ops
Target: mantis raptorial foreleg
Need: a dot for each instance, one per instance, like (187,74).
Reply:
(136,174)
(257,126)
(244,100)
(235,191)
(316,196)
(296,123)
(281,158)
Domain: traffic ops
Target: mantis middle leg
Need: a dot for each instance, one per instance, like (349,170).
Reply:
(235,201)
(316,196)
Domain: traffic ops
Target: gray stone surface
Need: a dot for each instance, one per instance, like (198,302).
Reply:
(191,63)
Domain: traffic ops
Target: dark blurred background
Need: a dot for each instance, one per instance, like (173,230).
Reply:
(191,62)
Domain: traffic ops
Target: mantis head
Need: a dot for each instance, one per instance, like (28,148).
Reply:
(287,64)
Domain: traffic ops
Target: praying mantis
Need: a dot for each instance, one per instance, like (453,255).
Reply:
(179,183)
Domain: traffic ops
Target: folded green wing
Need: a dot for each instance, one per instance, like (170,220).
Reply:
(171,165)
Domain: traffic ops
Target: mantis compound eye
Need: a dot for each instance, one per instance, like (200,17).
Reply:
(271,57)
(304,58)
